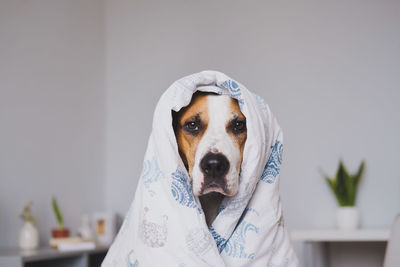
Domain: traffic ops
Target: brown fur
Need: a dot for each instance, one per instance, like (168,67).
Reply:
(241,138)
(187,143)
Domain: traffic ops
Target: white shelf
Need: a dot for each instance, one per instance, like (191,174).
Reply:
(335,235)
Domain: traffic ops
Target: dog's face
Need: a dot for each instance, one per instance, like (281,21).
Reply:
(211,133)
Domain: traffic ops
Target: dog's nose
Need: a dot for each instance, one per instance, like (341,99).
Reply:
(214,165)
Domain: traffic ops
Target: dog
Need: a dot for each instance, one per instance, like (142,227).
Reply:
(211,133)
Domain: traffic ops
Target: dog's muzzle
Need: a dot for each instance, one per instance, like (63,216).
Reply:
(214,166)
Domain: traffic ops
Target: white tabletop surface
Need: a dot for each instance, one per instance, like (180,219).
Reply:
(336,235)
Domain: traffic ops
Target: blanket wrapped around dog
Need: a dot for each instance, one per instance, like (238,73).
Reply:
(165,225)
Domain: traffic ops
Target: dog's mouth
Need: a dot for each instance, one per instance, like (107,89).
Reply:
(213,186)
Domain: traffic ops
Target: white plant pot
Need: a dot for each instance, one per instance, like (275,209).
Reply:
(28,236)
(347,218)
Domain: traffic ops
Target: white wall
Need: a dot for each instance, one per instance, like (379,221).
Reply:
(329,70)
(51,112)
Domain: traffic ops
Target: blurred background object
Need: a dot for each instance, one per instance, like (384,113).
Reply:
(28,235)
(392,255)
(79,81)
(344,187)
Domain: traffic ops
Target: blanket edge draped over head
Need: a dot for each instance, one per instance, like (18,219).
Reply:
(165,224)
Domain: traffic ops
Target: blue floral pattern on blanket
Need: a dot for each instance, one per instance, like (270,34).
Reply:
(273,165)
(182,191)
(235,247)
(132,262)
(234,90)
(219,240)
(151,173)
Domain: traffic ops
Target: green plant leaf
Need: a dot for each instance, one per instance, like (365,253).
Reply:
(349,186)
(332,184)
(342,185)
(357,179)
(58,213)
(358,176)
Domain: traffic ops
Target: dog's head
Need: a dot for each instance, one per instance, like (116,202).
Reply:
(211,133)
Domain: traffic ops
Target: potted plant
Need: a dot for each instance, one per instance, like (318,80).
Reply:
(28,235)
(60,231)
(344,186)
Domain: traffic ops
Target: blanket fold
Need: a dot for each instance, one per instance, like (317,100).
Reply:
(165,225)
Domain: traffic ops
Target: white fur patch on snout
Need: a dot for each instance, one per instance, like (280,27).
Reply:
(217,140)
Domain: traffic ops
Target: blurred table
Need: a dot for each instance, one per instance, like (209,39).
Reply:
(316,241)
(47,256)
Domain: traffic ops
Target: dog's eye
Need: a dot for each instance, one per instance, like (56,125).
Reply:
(238,126)
(192,126)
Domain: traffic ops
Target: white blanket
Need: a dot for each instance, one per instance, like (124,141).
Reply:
(165,225)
